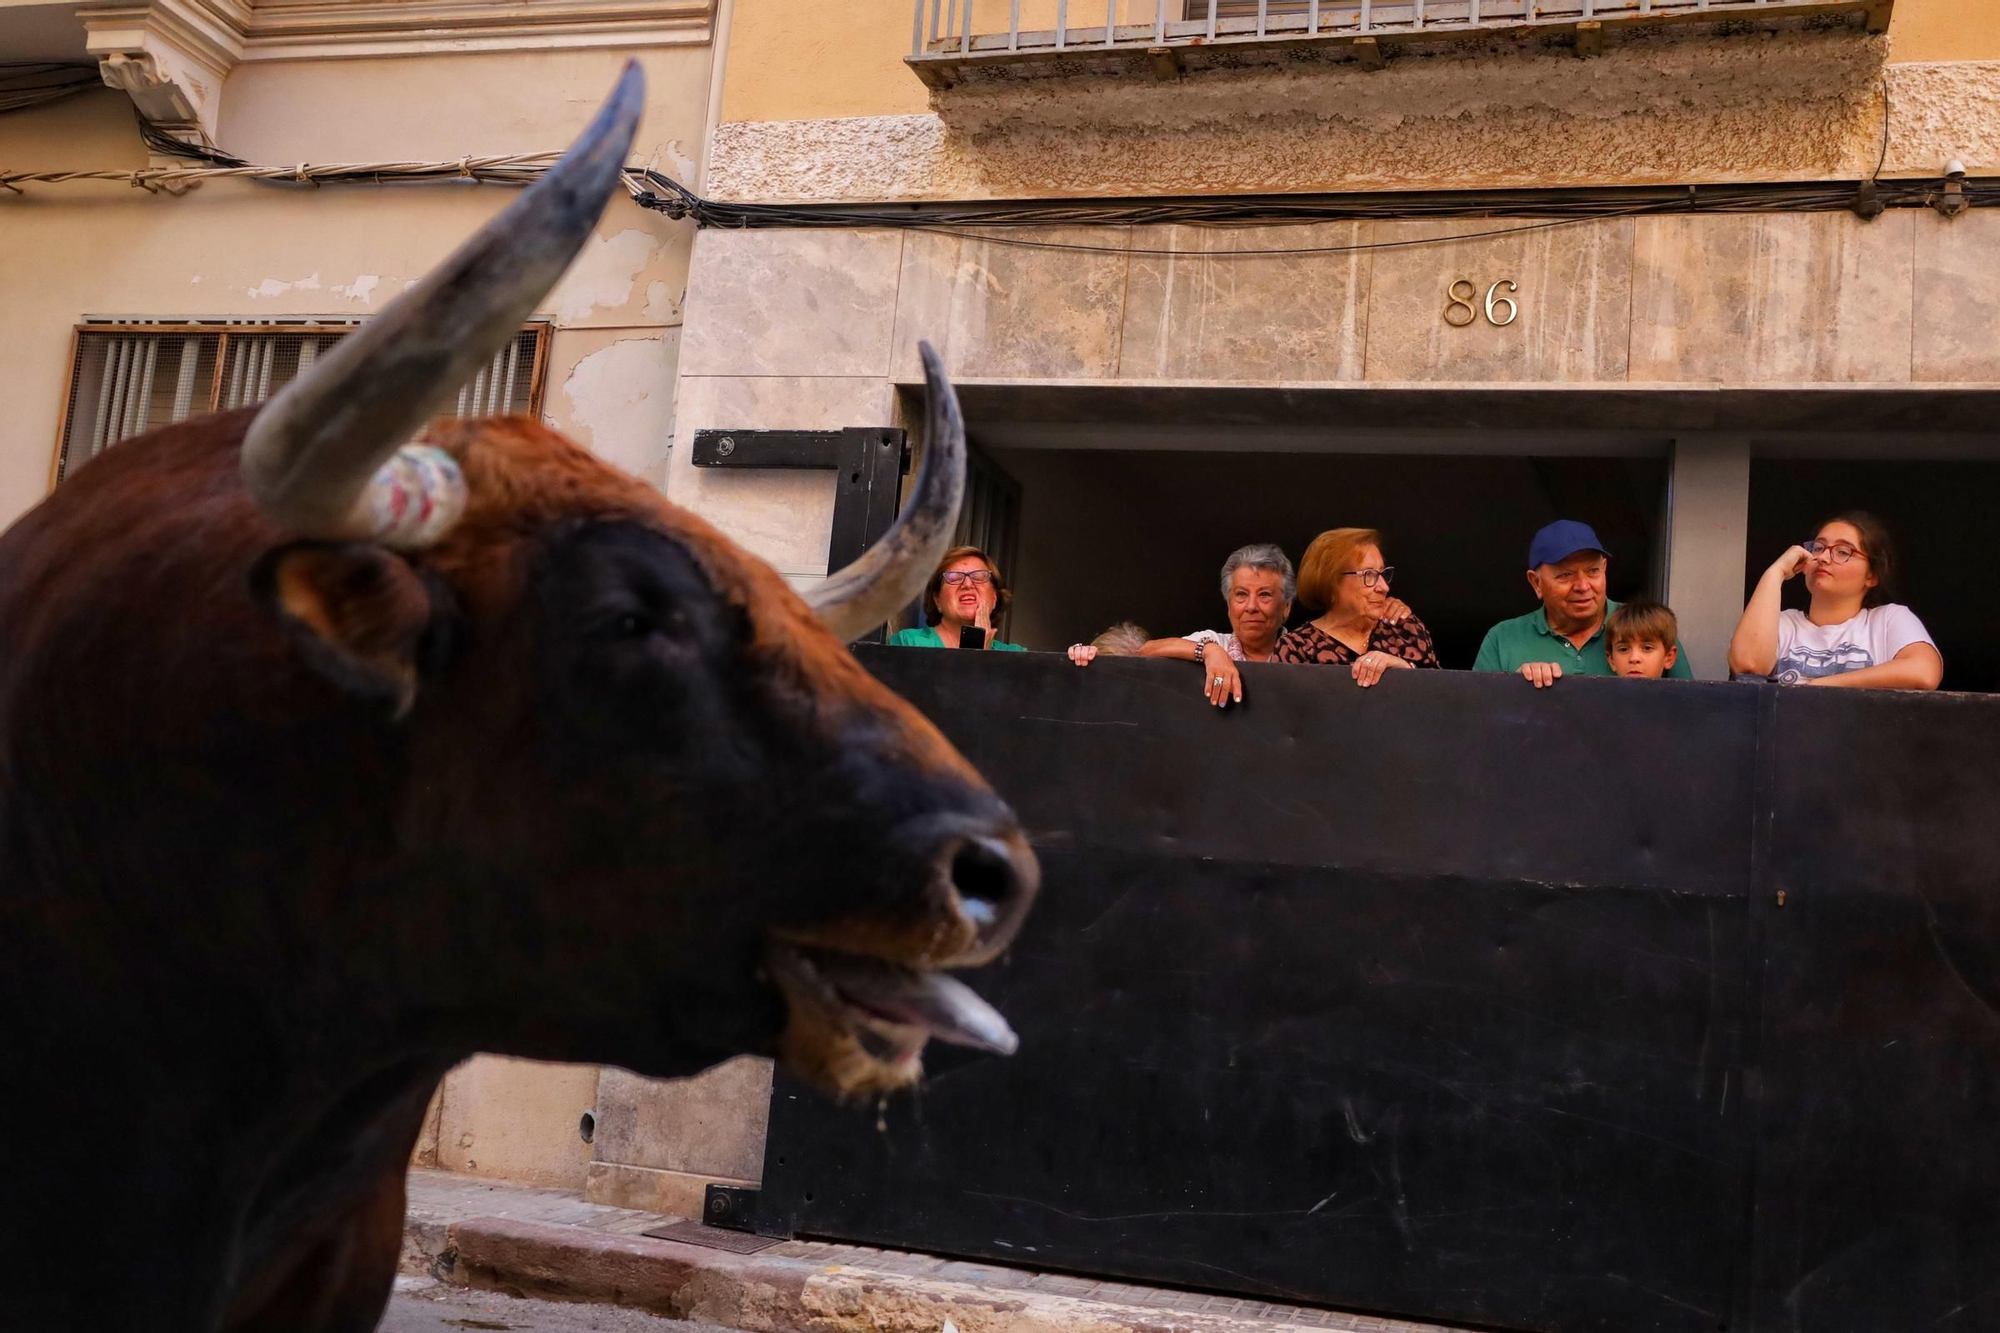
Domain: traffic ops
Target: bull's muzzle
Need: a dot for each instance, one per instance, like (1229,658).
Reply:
(988,878)
(866,995)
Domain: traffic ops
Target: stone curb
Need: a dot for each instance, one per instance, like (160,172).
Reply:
(766,1294)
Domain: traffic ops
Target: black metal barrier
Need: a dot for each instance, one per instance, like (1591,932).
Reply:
(1614,1006)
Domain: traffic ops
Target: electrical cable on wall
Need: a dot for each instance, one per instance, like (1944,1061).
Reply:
(29,83)
(991,221)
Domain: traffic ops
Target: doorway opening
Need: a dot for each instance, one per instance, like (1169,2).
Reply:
(1109,535)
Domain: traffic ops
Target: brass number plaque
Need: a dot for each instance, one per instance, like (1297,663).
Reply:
(1459,310)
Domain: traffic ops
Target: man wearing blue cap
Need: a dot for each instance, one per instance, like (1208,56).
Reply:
(1566,568)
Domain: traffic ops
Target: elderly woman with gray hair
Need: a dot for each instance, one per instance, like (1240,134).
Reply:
(1257,588)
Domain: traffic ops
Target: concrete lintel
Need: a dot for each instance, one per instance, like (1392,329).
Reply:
(1889,412)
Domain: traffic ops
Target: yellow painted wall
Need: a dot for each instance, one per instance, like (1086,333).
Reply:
(783,67)
(1945,30)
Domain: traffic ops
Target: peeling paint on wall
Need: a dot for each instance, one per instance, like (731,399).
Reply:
(679,164)
(361,289)
(621,403)
(660,302)
(603,276)
(270,287)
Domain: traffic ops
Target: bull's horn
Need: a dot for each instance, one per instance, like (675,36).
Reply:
(892,573)
(312,455)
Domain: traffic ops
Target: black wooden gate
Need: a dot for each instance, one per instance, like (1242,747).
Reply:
(1617,1006)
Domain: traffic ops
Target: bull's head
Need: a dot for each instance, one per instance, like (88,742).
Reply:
(694,825)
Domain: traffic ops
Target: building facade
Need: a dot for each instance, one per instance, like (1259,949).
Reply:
(1697,272)
(1622,266)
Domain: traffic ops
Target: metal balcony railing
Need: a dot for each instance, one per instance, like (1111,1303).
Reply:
(947,42)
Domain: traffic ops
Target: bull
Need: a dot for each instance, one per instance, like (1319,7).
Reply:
(327,760)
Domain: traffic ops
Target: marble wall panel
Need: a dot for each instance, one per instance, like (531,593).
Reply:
(1573,290)
(1955,334)
(784,516)
(1212,310)
(1008,310)
(1805,298)
(791,302)
(925,294)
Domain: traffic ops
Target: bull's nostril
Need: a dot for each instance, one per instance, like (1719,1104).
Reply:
(983,873)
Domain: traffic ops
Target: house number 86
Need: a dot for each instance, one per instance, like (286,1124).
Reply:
(1458,304)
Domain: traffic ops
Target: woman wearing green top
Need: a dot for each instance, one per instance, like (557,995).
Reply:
(965,592)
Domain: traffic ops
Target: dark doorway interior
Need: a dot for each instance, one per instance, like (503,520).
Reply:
(1115,534)
(1941,514)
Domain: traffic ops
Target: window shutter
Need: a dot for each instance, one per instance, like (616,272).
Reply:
(127,378)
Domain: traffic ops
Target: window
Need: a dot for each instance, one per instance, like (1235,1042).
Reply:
(128,377)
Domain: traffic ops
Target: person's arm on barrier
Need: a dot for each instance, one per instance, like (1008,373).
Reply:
(1368,667)
(1221,682)
(1916,667)
(1753,648)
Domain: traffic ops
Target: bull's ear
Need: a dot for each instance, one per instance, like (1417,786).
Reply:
(362,617)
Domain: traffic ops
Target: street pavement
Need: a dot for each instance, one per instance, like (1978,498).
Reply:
(422,1305)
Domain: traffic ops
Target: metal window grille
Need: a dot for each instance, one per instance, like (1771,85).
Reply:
(947,38)
(129,377)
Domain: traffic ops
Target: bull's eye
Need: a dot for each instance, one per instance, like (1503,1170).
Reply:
(632,625)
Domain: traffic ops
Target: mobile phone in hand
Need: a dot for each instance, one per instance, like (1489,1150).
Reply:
(971,636)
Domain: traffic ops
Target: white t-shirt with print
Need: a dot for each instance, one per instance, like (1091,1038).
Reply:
(1875,636)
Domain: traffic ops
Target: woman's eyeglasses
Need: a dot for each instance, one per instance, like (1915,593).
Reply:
(957,576)
(1839,554)
(1370,577)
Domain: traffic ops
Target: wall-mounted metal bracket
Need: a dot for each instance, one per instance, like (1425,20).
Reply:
(732,1207)
(869,463)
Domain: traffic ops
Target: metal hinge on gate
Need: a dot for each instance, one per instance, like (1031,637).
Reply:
(732,1207)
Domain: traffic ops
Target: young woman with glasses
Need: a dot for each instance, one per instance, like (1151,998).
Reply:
(965,593)
(1850,634)
(1361,626)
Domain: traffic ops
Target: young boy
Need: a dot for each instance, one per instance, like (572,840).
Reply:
(1640,640)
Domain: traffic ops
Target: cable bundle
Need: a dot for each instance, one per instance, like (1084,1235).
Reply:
(26,83)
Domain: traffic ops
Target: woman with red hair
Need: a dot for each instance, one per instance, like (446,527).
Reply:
(1344,578)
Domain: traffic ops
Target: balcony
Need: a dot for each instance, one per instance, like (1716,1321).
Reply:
(950,45)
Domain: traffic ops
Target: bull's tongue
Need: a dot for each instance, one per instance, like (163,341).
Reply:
(947,1009)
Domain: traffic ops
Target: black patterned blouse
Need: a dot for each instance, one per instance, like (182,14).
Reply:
(1309,645)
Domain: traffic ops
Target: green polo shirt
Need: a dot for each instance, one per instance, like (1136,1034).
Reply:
(1512,644)
(926,636)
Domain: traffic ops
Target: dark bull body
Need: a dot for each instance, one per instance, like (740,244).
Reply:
(288,827)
